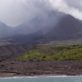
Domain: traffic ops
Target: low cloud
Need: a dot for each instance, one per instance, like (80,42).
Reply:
(72,7)
(15,12)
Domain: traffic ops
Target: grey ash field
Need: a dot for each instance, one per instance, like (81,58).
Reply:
(43,59)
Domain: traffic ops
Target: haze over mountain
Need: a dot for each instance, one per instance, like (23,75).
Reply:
(16,12)
(47,20)
(68,28)
(42,20)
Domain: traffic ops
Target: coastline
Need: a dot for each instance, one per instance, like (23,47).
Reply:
(40,76)
(11,75)
(49,68)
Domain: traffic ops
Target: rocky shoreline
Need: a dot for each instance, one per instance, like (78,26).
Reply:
(16,68)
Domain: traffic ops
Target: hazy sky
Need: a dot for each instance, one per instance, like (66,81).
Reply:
(15,12)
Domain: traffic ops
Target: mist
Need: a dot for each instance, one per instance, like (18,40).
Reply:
(16,12)
(71,7)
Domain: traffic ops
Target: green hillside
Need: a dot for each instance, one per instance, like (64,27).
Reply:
(53,53)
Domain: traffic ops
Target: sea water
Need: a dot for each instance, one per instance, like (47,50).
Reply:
(43,79)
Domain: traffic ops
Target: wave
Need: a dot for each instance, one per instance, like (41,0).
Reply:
(41,76)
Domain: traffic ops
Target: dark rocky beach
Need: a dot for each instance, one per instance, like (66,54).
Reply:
(14,68)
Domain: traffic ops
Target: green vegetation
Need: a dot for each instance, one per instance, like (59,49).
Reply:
(53,53)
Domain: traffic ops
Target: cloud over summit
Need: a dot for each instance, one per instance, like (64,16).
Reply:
(72,7)
(15,12)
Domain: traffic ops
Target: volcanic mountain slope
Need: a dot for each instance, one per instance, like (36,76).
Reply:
(41,22)
(4,30)
(8,52)
(46,20)
(68,28)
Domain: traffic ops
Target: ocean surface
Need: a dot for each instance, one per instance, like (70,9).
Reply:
(43,79)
